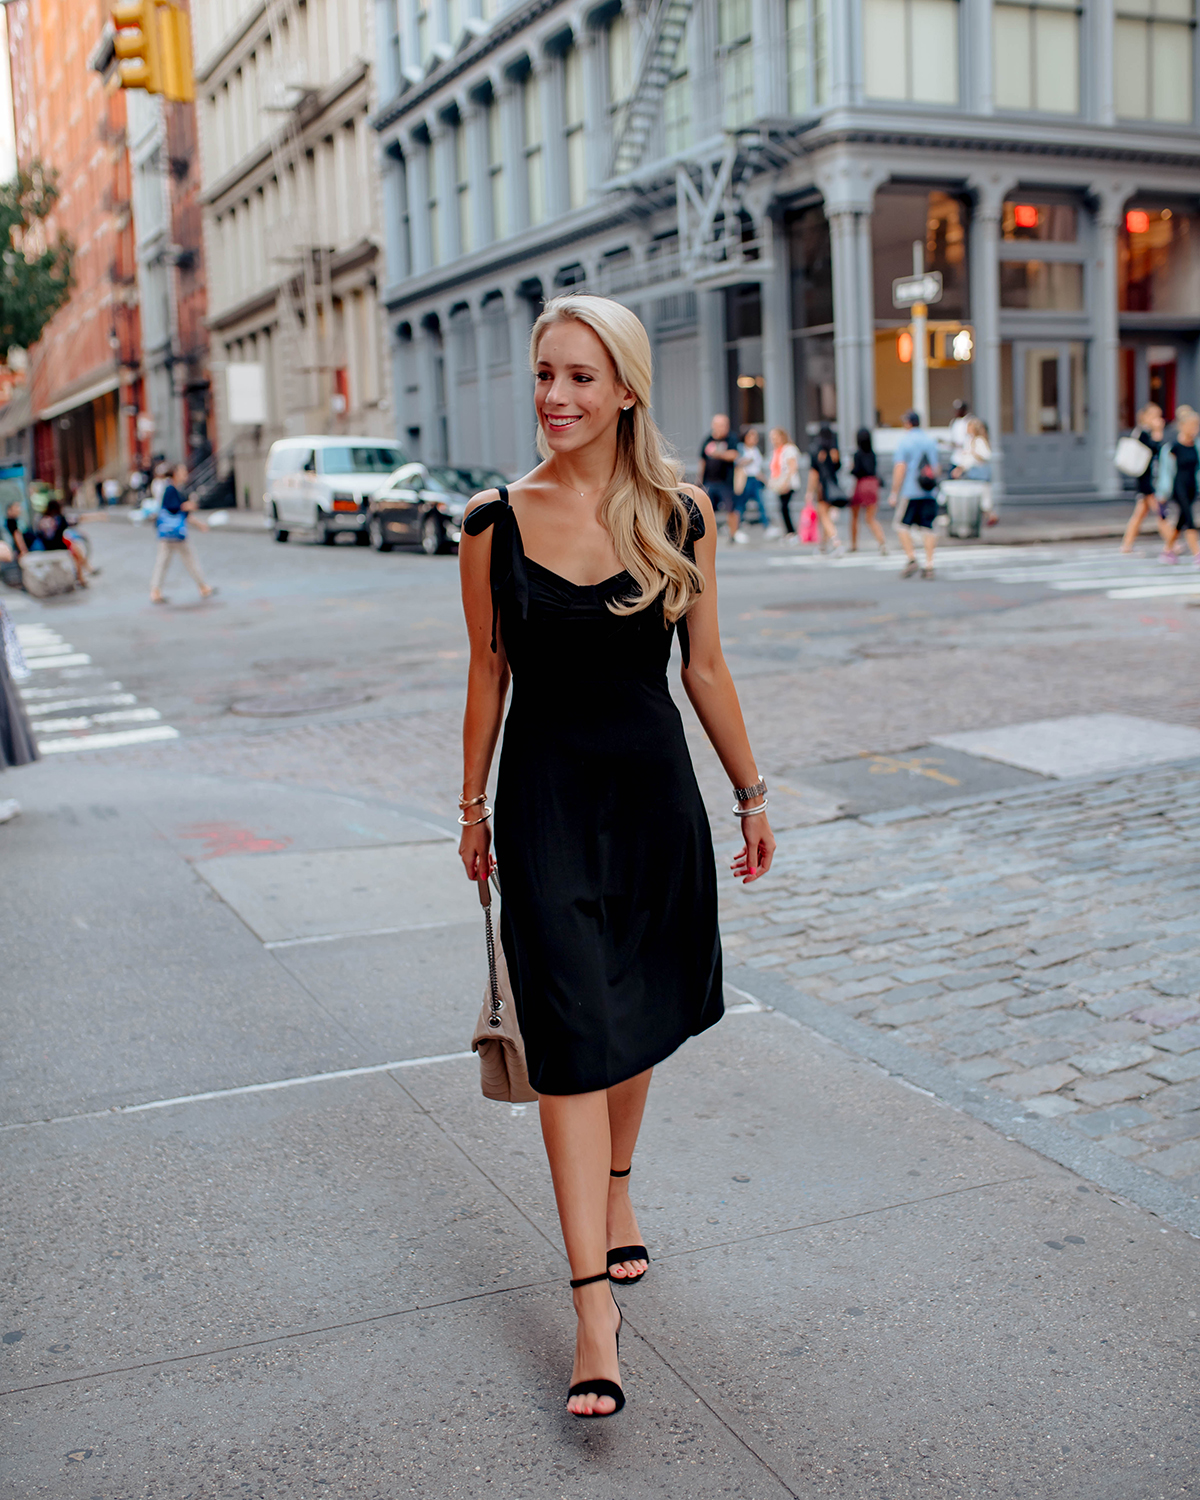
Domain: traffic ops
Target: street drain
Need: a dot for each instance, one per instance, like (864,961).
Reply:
(283,705)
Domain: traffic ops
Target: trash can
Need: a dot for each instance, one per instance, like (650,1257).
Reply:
(964,506)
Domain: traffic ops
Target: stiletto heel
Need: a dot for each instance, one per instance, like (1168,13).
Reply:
(626,1252)
(598,1387)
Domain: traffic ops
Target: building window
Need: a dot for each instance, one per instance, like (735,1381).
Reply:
(462,188)
(807,54)
(573,127)
(1153,59)
(454,20)
(535,176)
(1036,51)
(620,71)
(911,50)
(1041,286)
(495,148)
(677,101)
(1056,222)
(1159,261)
(736,50)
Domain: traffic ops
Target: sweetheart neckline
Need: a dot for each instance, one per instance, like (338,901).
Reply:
(570,582)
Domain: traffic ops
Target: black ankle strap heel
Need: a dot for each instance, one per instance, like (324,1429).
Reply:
(598,1387)
(626,1252)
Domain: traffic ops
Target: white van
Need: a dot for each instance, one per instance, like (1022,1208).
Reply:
(320,485)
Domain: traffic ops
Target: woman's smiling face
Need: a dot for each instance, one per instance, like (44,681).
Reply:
(577,395)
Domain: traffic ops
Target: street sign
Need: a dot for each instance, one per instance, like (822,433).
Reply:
(908,290)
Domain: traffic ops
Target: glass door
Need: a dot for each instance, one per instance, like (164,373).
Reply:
(1044,402)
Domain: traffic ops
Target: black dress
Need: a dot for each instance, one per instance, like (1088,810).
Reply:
(603,850)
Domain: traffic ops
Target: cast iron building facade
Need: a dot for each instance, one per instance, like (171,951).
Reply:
(750,176)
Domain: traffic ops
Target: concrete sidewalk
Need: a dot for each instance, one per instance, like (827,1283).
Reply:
(353,1285)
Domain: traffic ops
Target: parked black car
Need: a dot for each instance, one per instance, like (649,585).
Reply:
(422,505)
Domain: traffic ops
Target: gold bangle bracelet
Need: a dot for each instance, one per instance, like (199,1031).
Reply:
(465,802)
(475,822)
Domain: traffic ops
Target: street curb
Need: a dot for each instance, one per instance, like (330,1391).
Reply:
(1057,1142)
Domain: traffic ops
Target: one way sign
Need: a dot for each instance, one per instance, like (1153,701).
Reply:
(906,290)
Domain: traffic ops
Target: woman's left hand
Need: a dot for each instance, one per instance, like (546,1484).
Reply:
(755,859)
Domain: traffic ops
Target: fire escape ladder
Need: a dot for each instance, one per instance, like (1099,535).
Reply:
(664,31)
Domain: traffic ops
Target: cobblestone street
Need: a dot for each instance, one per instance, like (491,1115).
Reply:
(1043,944)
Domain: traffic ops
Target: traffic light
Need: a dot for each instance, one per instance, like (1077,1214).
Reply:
(137,45)
(175,40)
(153,41)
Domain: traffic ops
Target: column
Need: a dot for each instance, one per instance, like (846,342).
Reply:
(549,74)
(847,321)
(978,91)
(1099,100)
(1110,199)
(450,362)
(524,416)
(598,144)
(770,58)
(427,397)
(714,395)
(780,404)
(483,387)
(985,313)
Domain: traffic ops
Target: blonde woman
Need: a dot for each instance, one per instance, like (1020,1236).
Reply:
(574,582)
(1150,431)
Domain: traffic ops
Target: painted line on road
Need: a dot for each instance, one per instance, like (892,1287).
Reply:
(245,1088)
(87,721)
(53,694)
(1156,591)
(60,705)
(336,937)
(75,659)
(108,741)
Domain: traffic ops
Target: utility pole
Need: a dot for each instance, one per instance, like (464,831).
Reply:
(920,354)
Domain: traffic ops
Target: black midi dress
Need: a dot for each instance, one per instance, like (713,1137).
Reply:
(603,849)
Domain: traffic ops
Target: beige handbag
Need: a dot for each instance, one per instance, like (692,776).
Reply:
(502,1071)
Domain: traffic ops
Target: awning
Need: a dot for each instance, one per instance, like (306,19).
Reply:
(99,387)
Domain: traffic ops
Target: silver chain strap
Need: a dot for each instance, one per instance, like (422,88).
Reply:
(496,1003)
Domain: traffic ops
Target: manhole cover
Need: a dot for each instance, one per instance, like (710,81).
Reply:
(284,666)
(793,606)
(281,705)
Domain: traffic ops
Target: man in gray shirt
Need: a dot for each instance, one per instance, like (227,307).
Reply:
(914,480)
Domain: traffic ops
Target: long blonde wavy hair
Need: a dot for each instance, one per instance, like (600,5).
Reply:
(642,507)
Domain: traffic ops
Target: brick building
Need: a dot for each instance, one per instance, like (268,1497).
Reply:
(77,421)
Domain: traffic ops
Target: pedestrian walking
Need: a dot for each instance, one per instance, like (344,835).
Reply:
(785,477)
(609,921)
(824,486)
(752,465)
(915,471)
(173,512)
(1178,472)
(717,460)
(1149,432)
(17,744)
(864,501)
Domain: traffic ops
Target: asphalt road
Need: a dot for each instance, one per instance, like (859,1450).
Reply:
(264,1236)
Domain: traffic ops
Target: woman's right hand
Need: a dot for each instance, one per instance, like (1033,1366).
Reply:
(475,851)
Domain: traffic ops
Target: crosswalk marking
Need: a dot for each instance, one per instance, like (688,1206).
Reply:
(1065,569)
(44,649)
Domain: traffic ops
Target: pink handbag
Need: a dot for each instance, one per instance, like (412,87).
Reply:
(810,531)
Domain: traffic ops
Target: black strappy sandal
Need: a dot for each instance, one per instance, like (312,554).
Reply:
(598,1387)
(626,1252)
